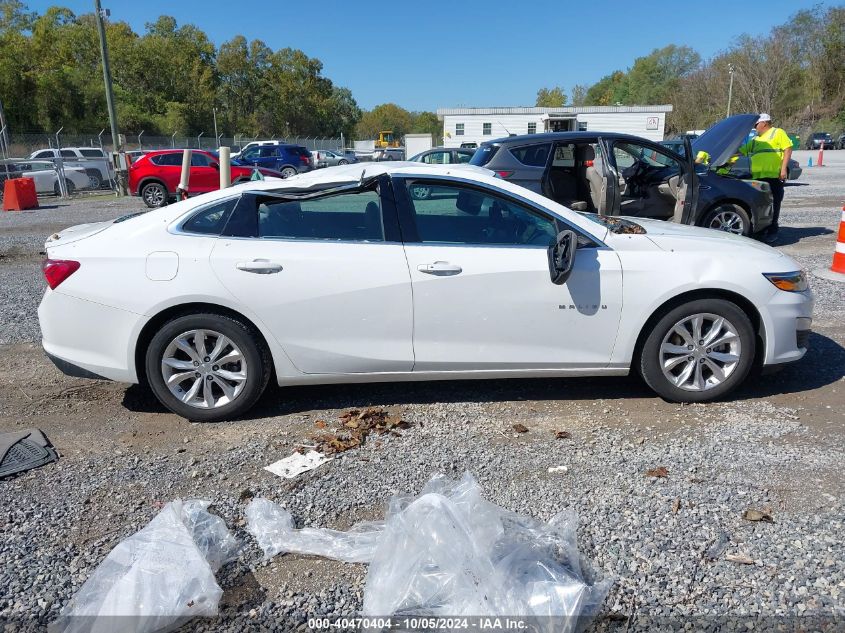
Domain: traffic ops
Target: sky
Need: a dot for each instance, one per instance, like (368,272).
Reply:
(440,54)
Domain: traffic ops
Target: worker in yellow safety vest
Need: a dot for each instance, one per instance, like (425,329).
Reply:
(770,152)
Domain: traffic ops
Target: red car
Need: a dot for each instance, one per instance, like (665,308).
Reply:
(155,175)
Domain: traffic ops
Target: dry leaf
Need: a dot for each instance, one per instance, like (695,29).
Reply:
(562,435)
(742,559)
(520,428)
(320,424)
(676,505)
(660,471)
(757,515)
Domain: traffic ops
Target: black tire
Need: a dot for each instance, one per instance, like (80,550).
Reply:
(288,172)
(728,214)
(342,162)
(154,194)
(256,355)
(95,179)
(71,188)
(649,363)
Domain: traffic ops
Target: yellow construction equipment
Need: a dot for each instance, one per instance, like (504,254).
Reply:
(385,139)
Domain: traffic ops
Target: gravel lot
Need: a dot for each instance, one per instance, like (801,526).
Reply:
(777,446)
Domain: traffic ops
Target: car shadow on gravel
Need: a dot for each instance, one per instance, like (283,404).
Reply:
(794,234)
(823,364)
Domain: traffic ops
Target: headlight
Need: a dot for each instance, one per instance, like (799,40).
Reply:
(790,282)
(759,184)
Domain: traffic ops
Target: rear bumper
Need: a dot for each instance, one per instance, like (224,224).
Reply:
(88,339)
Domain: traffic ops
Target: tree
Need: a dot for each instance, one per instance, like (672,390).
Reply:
(579,94)
(607,91)
(387,116)
(551,97)
(428,123)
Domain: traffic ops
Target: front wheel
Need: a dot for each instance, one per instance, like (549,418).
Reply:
(698,351)
(342,162)
(94,178)
(68,185)
(730,218)
(207,367)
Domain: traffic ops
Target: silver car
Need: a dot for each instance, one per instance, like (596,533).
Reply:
(326,158)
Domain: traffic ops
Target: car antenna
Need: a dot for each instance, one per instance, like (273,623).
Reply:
(506,129)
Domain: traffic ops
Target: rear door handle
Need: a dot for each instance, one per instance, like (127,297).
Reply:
(440,268)
(259,267)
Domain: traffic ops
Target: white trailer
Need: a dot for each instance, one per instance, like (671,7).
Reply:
(416,143)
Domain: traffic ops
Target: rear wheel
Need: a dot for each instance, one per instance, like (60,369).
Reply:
(94,178)
(68,185)
(154,195)
(287,172)
(207,367)
(728,217)
(342,162)
(698,351)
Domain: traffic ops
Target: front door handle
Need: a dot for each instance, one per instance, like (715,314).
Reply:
(259,267)
(440,268)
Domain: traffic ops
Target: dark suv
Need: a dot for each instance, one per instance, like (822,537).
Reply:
(623,175)
(287,159)
(816,139)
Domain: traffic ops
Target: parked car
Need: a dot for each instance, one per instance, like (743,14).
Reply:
(96,163)
(741,168)
(134,154)
(443,156)
(8,170)
(470,145)
(334,277)
(237,151)
(46,178)
(155,176)
(622,175)
(817,138)
(326,158)
(389,153)
(289,160)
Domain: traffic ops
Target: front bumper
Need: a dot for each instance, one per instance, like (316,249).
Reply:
(88,339)
(787,321)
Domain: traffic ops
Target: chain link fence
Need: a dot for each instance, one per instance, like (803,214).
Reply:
(90,157)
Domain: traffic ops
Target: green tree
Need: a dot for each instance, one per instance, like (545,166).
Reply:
(428,123)
(579,94)
(387,116)
(551,97)
(608,90)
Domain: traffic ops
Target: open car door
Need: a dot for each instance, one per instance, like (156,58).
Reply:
(687,194)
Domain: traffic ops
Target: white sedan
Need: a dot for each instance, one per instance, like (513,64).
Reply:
(341,276)
(46,178)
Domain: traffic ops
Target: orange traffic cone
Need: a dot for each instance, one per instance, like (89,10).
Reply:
(838,265)
(837,268)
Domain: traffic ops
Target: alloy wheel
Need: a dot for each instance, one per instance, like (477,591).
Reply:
(154,195)
(727,219)
(287,172)
(700,352)
(204,369)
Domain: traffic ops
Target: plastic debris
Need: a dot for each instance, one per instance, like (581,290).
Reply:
(158,578)
(448,552)
(272,526)
(296,464)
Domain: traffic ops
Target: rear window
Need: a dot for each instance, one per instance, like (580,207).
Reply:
(484,155)
(167,159)
(92,153)
(532,155)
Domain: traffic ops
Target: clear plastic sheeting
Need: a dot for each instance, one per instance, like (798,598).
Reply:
(272,526)
(156,579)
(450,553)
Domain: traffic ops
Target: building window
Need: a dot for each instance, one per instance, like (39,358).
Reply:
(532,128)
(582,126)
(459,129)
(487,129)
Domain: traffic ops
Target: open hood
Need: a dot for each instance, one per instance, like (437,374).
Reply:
(723,139)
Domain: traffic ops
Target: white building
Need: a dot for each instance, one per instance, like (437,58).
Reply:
(476,125)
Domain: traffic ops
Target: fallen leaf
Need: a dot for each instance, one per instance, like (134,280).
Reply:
(562,435)
(320,424)
(742,559)
(660,471)
(352,424)
(520,428)
(676,505)
(757,515)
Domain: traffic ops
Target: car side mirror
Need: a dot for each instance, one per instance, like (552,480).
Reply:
(216,166)
(562,256)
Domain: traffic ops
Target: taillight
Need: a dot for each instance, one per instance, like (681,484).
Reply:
(57,270)
(305,160)
(504,174)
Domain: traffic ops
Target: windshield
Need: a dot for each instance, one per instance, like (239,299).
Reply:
(484,155)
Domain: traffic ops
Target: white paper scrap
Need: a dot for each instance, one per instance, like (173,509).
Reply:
(296,464)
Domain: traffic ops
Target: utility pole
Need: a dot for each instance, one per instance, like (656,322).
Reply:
(4,133)
(730,87)
(104,54)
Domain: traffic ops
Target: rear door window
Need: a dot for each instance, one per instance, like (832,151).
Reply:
(212,219)
(199,160)
(47,153)
(92,153)
(167,160)
(67,153)
(348,217)
(532,155)
(437,158)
